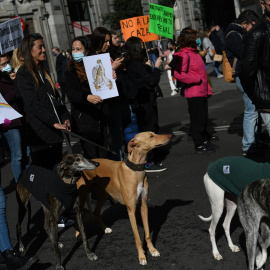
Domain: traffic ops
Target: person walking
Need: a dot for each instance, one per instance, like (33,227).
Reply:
(235,32)
(60,59)
(191,71)
(208,45)
(255,65)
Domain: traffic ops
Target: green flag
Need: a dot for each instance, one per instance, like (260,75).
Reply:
(161,20)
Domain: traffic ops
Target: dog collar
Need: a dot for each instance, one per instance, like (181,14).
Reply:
(133,166)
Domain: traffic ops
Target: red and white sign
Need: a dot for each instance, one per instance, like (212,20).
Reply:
(22,22)
(81,28)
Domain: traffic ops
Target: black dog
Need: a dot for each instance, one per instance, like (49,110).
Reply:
(254,213)
(57,192)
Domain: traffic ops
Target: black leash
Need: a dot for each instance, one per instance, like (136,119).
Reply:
(83,139)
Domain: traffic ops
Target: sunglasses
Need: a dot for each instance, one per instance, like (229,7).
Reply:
(36,35)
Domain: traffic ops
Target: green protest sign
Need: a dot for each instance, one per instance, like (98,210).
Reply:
(161,20)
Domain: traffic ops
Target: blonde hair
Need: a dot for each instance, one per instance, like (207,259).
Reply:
(16,61)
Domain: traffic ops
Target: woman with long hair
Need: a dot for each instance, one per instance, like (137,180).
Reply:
(191,71)
(45,115)
(86,113)
(141,84)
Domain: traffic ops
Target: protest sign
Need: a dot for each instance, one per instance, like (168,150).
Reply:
(99,74)
(11,35)
(6,111)
(137,27)
(161,20)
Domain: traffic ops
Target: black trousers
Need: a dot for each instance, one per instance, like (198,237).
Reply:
(198,111)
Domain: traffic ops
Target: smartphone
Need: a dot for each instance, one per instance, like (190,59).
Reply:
(124,54)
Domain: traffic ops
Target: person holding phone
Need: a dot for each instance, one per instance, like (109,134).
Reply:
(208,45)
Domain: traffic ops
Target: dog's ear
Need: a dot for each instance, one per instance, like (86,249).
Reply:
(132,143)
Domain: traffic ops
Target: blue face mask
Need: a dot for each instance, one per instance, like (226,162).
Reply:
(198,42)
(78,56)
(7,69)
(53,53)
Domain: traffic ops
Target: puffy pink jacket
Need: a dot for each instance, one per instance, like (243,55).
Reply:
(192,77)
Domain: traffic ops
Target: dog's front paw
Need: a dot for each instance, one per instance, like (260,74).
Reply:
(155,254)
(108,230)
(218,257)
(21,249)
(60,245)
(235,248)
(143,262)
(60,268)
(92,256)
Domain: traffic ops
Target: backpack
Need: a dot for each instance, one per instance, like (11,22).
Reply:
(228,70)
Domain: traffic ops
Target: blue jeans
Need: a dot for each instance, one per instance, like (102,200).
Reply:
(4,233)
(250,119)
(215,66)
(12,141)
(153,59)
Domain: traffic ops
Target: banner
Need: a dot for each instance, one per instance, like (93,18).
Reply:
(11,35)
(161,20)
(99,74)
(137,27)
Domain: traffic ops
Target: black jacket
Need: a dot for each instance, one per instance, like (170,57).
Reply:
(233,44)
(219,47)
(60,59)
(39,112)
(40,182)
(85,116)
(255,66)
(141,82)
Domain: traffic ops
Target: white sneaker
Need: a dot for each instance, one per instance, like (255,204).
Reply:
(173,93)
(219,76)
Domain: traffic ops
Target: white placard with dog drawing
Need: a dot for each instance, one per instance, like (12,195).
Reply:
(99,73)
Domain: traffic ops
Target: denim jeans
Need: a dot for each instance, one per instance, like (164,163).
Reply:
(12,141)
(266,119)
(153,59)
(4,233)
(215,66)
(250,120)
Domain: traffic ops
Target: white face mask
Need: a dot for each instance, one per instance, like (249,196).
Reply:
(217,29)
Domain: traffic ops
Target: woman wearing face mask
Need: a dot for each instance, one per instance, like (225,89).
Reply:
(45,115)
(85,107)
(11,132)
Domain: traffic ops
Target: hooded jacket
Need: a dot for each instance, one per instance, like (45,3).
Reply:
(194,77)
(255,65)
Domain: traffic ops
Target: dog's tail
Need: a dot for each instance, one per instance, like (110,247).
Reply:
(263,253)
(205,219)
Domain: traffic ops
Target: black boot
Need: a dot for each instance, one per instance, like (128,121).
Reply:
(18,262)
(3,265)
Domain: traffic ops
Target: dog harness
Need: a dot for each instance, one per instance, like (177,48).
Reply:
(40,182)
(233,174)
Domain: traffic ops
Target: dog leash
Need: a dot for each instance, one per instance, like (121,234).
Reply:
(83,139)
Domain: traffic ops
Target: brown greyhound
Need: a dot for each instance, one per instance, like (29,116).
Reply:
(126,181)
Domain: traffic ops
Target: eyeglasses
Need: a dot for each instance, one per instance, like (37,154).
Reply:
(36,35)
(4,64)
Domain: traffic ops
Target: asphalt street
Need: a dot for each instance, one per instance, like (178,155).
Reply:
(176,197)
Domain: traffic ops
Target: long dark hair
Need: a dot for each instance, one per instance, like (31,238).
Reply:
(26,48)
(134,50)
(98,38)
